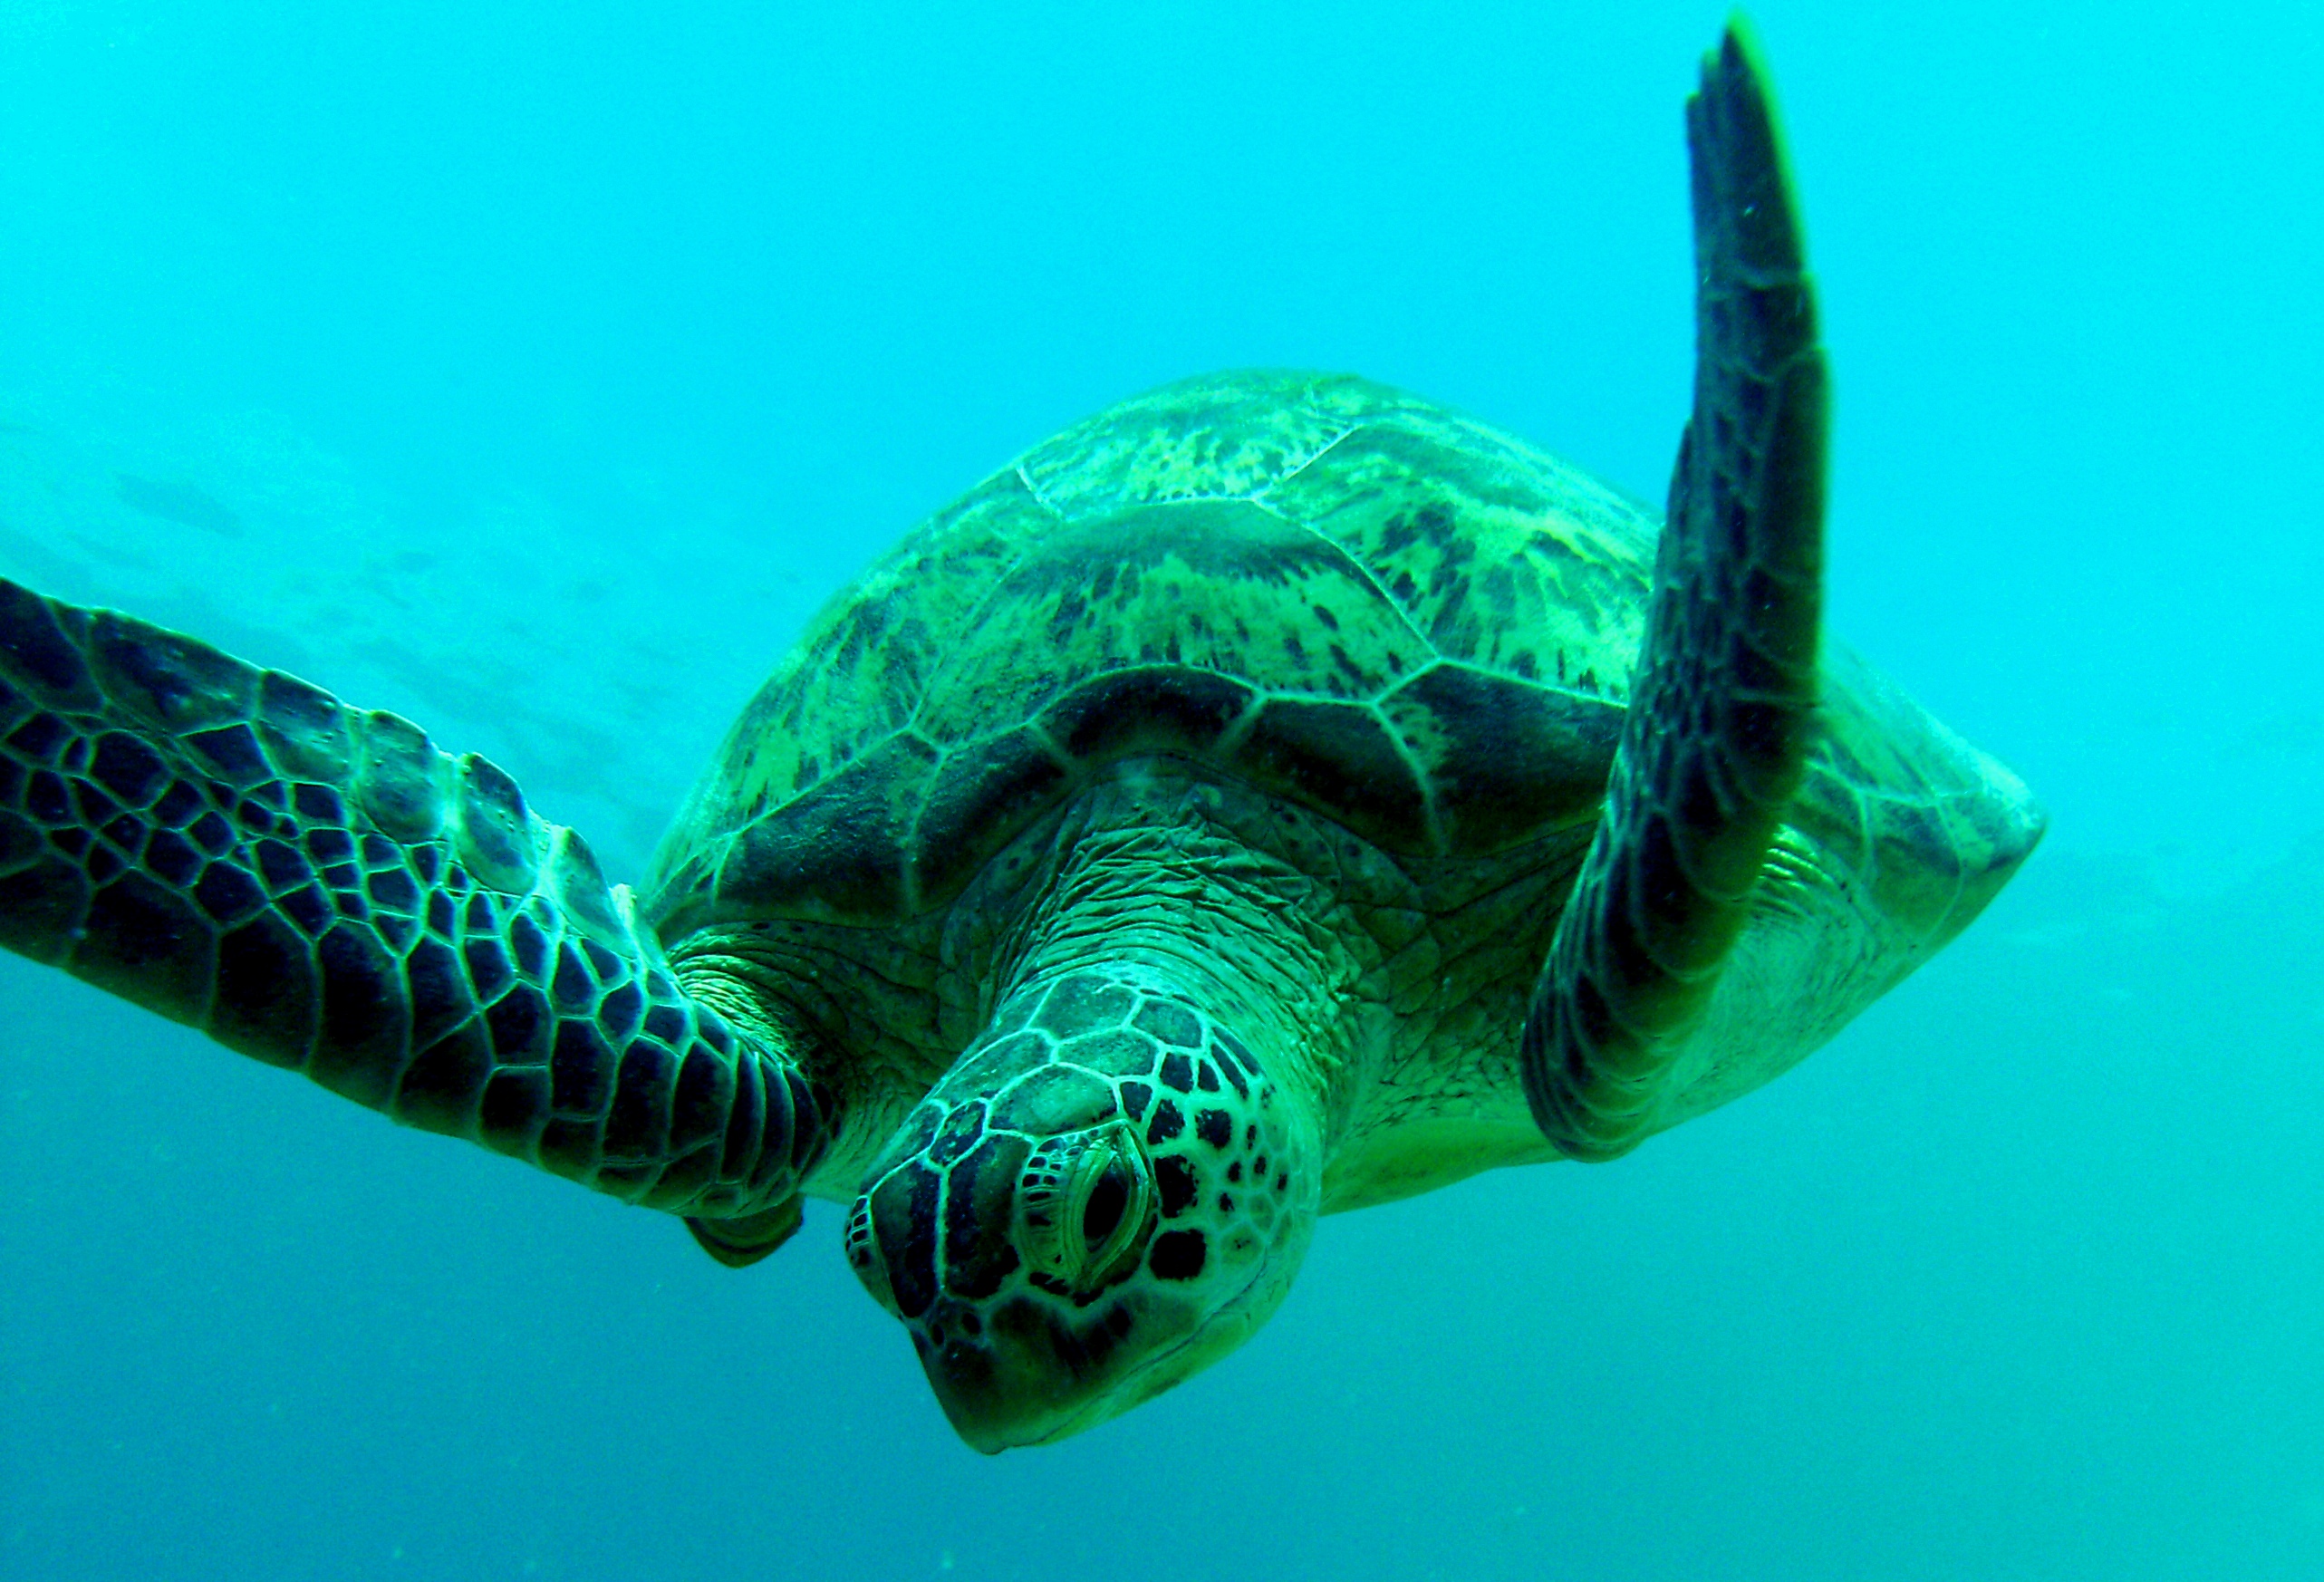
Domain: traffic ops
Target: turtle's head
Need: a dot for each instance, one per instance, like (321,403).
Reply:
(1104,1195)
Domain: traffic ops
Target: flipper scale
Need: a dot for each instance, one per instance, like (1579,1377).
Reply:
(1722,711)
(322,888)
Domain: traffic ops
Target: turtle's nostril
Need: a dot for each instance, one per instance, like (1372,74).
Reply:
(864,1255)
(861,1255)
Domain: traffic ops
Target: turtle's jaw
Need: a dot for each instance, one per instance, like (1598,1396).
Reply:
(995,1404)
(1036,1377)
(1008,1390)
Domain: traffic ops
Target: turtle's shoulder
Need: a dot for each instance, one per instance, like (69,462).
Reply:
(1432,1142)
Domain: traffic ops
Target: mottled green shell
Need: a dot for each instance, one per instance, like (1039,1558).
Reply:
(1311,586)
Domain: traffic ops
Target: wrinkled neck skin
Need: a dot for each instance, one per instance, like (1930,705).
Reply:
(1116,1181)
(1158,886)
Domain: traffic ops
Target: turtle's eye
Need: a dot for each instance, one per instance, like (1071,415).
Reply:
(1081,1204)
(1101,1214)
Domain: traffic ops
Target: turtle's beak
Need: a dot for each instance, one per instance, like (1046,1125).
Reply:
(1000,1394)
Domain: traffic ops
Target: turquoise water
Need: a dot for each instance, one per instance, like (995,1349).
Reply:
(535,371)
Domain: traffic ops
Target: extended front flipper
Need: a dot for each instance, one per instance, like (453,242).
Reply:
(1722,708)
(322,888)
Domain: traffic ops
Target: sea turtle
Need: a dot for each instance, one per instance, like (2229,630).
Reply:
(1275,794)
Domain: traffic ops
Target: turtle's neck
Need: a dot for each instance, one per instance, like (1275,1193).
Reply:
(1150,878)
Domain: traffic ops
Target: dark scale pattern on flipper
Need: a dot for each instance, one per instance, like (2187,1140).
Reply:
(1720,715)
(324,890)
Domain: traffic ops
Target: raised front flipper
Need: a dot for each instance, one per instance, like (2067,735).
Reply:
(1722,708)
(324,890)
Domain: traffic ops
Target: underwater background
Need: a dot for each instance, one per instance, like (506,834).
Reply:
(535,371)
